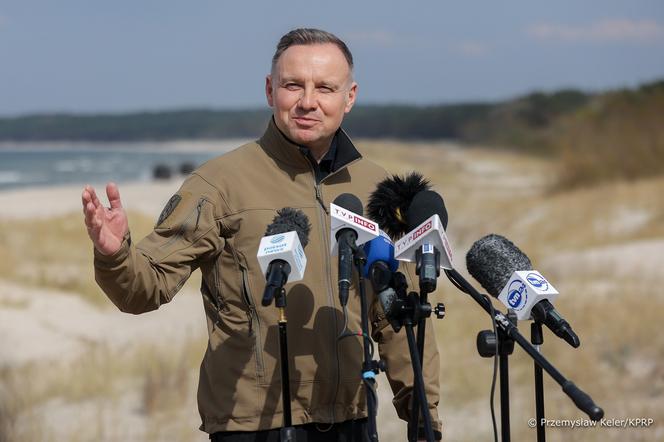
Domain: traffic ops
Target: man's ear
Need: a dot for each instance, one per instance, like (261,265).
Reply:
(269,90)
(350,98)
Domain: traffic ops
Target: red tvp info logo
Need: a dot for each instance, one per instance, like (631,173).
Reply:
(414,235)
(364,223)
(356,219)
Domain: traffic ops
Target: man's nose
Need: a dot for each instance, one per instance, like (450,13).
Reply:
(308,100)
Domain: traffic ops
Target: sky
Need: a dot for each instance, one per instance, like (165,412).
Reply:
(87,56)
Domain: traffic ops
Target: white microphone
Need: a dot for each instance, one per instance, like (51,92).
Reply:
(281,251)
(348,230)
(428,234)
(285,247)
(344,218)
(426,243)
(506,273)
(525,289)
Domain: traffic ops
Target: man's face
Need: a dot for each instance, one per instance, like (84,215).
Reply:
(309,92)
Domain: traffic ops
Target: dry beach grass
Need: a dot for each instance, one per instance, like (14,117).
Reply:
(71,369)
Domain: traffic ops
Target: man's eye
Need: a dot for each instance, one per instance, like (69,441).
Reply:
(292,86)
(325,89)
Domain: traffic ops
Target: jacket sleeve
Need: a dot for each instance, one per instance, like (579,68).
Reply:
(393,349)
(140,277)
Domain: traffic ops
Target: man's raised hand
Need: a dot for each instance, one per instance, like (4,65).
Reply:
(106,226)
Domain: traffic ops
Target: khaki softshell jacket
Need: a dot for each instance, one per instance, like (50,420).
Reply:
(215,223)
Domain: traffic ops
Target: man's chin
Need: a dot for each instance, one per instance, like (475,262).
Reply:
(305,137)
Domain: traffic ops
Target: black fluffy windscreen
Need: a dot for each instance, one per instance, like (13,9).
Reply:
(289,220)
(493,259)
(349,202)
(426,204)
(389,203)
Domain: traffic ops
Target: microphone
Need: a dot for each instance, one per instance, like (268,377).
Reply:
(506,273)
(407,208)
(381,269)
(380,261)
(426,243)
(349,229)
(390,201)
(281,251)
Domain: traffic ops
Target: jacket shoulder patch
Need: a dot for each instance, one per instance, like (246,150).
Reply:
(169,208)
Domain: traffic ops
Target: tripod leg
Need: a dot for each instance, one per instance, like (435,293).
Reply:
(537,339)
(415,415)
(419,384)
(504,398)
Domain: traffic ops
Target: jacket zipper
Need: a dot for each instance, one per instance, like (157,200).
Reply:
(219,299)
(330,293)
(215,296)
(320,199)
(187,221)
(252,316)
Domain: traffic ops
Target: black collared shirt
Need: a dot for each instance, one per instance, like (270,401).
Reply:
(327,163)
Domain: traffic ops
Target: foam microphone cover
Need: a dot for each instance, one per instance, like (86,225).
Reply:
(491,261)
(289,220)
(349,202)
(424,205)
(389,203)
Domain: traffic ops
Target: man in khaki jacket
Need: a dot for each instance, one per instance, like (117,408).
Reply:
(215,222)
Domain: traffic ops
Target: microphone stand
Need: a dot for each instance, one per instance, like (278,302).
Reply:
(287,432)
(420,397)
(370,368)
(427,283)
(537,339)
(488,344)
(408,312)
(582,400)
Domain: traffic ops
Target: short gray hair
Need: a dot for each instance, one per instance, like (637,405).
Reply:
(310,36)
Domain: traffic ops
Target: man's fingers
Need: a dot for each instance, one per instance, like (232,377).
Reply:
(92,195)
(113,195)
(85,198)
(91,218)
(87,195)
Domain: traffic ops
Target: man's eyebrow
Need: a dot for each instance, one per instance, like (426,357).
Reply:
(332,85)
(286,79)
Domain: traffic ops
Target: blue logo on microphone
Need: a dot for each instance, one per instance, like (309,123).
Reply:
(277,239)
(537,281)
(517,295)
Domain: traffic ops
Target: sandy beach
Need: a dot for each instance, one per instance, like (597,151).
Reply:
(602,257)
(148,198)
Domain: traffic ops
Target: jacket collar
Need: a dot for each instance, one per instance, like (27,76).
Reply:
(275,144)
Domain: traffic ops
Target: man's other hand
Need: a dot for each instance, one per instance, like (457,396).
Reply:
(106,226)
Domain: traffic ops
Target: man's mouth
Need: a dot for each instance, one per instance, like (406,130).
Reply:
(305,121)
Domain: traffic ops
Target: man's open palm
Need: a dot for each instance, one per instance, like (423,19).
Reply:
(106,226)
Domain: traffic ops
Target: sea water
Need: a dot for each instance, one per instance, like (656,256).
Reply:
(26,165)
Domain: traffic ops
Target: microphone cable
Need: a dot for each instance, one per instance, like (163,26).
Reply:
(346,333)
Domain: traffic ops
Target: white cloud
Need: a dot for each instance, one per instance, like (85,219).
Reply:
(471,48)
(616,30)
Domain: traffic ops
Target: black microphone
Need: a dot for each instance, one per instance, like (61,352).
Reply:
(346,239)
(427,257)
(389,202)
(280,251)
(493,261)
(401,205)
